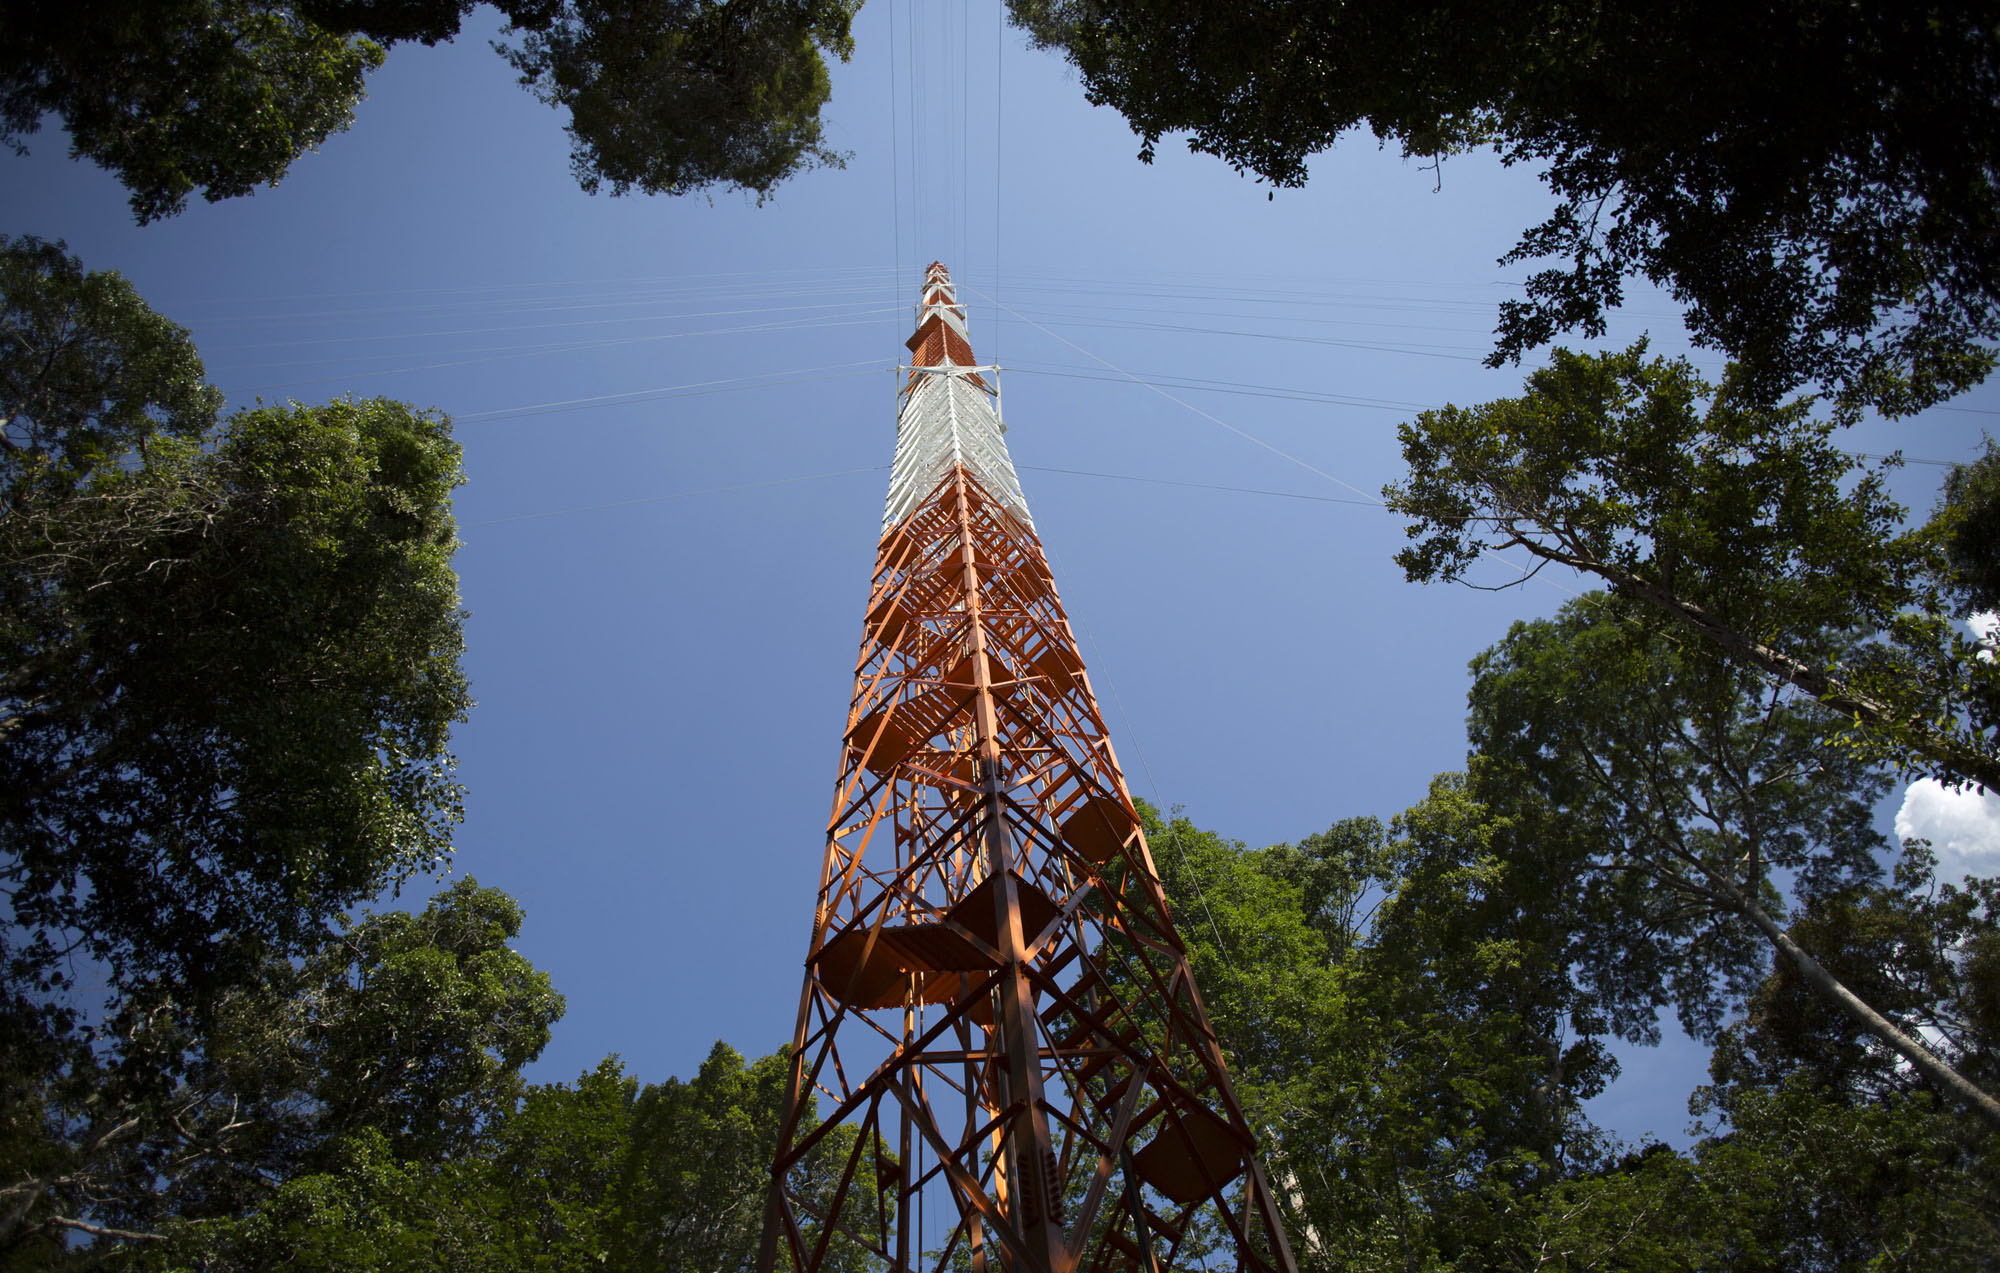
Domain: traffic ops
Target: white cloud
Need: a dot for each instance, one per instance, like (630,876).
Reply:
(1986,626)
(1962,824)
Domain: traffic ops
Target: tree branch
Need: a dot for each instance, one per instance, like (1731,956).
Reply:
(101,1231)
(1925,1061)
(1827,688)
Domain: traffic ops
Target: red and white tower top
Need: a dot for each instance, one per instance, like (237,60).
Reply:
(947,416)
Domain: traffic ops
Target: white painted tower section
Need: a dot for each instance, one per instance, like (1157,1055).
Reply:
(948,418)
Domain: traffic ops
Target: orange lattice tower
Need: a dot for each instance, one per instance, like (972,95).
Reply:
(1002,1061)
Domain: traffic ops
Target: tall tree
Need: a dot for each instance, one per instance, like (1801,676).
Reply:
(1397,1012)
(1415,1018)
(170,1117)
(1813,181)
(228,659)
(230,678)
(218,97)
(1925,951)
(1680,787)
(1740,525)
(228,666)
(1825,1149)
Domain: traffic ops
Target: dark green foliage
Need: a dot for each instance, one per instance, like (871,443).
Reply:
(1969,517)
(692,1190)
(88,373)
(405,1033)
(599,1175)
(1925,953)
(425,21)
(1416,1020)
(402,994)
(1406,1050)
(1830,1153)
(180,96)
(1337,873)
(692,1187)
(1424,1111)
(1681,791)
(230,678)
(1796,1182)
(230,661)
(1669,788)
(217,97)
(228,669)
(1801,1182)
(1742,527)
(670,96)
(1813,181)
(535,1191)
(1641,465)
(1245,930)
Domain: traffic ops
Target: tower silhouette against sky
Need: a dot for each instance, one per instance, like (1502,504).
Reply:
(1001,1060)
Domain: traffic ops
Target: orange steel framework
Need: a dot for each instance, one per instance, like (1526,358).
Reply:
(1001,1060)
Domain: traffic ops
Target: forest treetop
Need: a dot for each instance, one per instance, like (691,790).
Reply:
(1814,182)
(1742,524)
(218,97)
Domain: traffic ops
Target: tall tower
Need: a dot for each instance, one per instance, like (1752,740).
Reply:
(1001,1061)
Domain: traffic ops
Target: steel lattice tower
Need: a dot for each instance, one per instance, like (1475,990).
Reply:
(1001,1060)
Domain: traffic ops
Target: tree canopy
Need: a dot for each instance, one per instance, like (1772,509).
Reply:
(1427,1108)
(1813,182)
(667,97)
(1677,789)
(404,1032)
(88,372)
(229,661)
(601,1174)
(230,678)
(1740,525)
(218,97)
(184,96)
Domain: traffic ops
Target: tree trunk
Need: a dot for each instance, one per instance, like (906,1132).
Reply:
(1927,1062)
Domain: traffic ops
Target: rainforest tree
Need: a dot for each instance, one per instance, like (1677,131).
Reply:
(229,662)
(166,1117)
(1739,525)
(218,97)
(1813,182)
(1678,788)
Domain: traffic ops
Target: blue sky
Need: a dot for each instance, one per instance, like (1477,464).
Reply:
(664,588)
